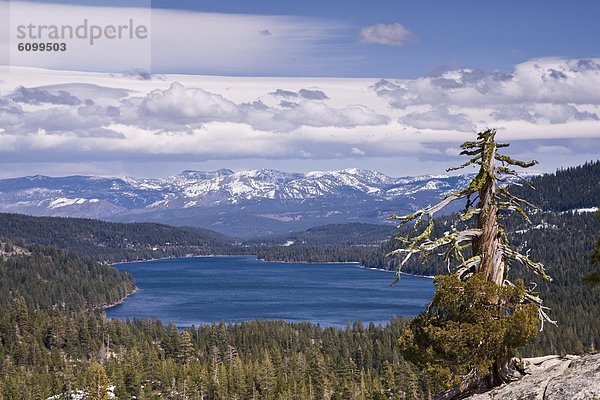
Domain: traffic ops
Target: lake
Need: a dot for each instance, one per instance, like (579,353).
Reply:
(201,290)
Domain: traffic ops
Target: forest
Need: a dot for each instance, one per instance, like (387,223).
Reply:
(56,342)
(112,241)
(43,277)
(562,240)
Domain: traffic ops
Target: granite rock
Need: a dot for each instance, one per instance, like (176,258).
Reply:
(552,378)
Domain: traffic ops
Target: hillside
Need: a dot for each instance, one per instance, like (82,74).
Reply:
(353,233)
(53,344)
(43,326)
(567,189)
(109,241)
(48,278)
(561,239)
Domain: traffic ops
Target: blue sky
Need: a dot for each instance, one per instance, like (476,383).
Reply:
(384,85)
(490,35)
(483,34)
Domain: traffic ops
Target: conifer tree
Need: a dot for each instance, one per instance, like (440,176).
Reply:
(97,385)
(185,352)
(478,317)
(267,378)
(593,278)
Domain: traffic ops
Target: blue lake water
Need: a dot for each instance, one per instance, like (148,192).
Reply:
(200,290)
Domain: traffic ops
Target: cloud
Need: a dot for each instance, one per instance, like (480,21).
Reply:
(453,151)
(138,73)
(180,117)
(530,82)
(177,108)
(181,104)
(313,94)
(439,118)
(543,112)
(357,152)
(318,114)
(99,93)
(284,93)
(391,35)
(37,96)
(553,149)
(287,104)
(191,107)
(83,121)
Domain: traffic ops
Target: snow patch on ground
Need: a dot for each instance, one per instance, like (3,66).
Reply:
(581,210)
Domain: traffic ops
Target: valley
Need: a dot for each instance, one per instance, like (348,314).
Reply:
(57,307)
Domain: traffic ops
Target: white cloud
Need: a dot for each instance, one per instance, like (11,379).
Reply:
(50,115)
(529,83)
(439,118)
(315,113)
(181,104)
(543,112)
(553,149)
(387,34)
(357,152)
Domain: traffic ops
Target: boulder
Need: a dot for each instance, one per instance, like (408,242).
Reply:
(552,378)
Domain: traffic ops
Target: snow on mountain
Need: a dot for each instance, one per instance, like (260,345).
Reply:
(314,197)
(204,188)
(63,202)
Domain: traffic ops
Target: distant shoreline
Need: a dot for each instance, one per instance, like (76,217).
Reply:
(120,301)
(401,273)
(172,258)
(274,261)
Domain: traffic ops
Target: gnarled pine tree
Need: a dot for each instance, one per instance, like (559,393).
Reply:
(477,318)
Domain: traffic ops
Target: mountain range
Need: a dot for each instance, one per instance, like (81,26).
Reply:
(244,203)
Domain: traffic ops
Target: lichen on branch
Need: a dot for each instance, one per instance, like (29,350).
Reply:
(483,246)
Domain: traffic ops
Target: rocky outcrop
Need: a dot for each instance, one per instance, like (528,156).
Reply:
(553,378)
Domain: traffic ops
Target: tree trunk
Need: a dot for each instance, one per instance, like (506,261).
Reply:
(500,373)
(492,265)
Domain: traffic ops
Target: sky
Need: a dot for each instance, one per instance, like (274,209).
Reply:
(297,86)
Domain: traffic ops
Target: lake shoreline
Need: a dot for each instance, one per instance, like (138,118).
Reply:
(276,261)
(207,289)
(173,258)
(120,301)
(401,273)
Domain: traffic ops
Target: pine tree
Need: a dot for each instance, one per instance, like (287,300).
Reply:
(478,256)
(318,382)
(97,384)
(171,341)
(267,378)
(593,278)
(133,370)
(185,352)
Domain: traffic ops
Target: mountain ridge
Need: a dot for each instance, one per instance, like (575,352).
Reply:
(222,200)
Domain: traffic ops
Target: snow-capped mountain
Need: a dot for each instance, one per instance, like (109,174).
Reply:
(223,199)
